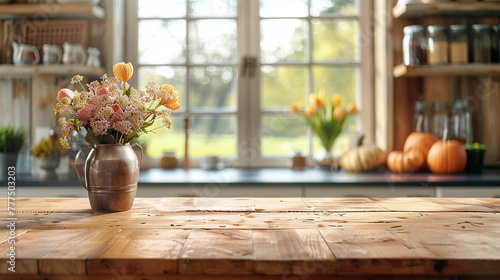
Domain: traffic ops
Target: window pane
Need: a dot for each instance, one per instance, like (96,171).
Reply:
(161,8)
(212,8)
(175,76)
(283,8)
(212,88)
(283,135)
(212,135)
(335,40)
(212,41)
(282,85)
(334,7)
(164,140)
(283,40)
(336,80)
(162,41)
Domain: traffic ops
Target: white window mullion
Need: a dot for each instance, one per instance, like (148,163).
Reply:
(131,38)
(254,116)
(365,99)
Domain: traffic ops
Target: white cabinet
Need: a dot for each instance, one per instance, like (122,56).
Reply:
(472,191)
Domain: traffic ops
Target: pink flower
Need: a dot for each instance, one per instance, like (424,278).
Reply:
(117,109)
(65,92)
(101,90)
(84,113)
(116,116)
(114,119)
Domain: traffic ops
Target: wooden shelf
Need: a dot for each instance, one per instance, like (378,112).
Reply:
(9,70)
(40,11)
(445,70)
(446,8)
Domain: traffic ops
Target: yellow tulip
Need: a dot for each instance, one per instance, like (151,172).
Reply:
(351,108)
(295,108)
(173,102)
(314,101)
(123,71)
(322,95)
(173,106)
(336,100)
(309,112)
(167,88)
(338,114)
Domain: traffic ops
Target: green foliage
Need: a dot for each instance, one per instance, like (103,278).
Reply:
(11,139)
(326,126)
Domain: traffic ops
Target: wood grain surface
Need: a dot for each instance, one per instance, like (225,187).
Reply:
(255,238)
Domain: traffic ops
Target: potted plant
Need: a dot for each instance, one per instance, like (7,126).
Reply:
(11,141)
(49,152)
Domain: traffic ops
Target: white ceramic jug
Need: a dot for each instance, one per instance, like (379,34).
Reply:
(93,57)
(74,53)
(25,54)
(52,54)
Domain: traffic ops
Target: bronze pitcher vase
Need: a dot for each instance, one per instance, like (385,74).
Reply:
(111,173)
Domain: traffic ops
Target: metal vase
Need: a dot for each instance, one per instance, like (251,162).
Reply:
(111,174)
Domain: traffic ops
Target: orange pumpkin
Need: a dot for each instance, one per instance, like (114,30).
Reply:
(404,162)
(421,141)
(447,157)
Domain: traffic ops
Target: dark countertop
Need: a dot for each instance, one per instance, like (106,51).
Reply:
(281,176)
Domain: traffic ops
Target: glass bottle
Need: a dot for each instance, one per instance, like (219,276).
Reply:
(458,44)
(461,128)
(437,45)
(421,117)
(414,45)
(481,43)
(440,119)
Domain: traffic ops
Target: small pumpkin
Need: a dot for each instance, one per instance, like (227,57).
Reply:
(419,140)
(362,158)
(405,162)
(447,157)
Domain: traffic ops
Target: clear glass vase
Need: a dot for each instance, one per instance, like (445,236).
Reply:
(325,160)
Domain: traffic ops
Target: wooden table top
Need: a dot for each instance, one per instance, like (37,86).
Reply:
(261,238)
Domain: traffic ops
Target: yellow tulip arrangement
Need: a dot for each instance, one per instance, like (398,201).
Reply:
(49,148)
(325,116)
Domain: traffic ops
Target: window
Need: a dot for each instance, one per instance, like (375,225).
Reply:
(239,64)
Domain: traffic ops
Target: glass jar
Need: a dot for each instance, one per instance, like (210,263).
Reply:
(437,45)
(481,43)
(458,44)
(414,45)
(440,119)
(421,117)
(461,128)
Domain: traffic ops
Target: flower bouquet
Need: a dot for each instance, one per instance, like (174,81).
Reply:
(326,118)
(113,113)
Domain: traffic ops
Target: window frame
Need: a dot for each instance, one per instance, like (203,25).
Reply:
(248,112)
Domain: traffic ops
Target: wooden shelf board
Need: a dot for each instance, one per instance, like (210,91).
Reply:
(446,8)
(9,70)
(41,11)
(445,70)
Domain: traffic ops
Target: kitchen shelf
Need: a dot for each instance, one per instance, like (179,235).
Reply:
(9,70)
(475,69)
(446,8)
(41,11)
